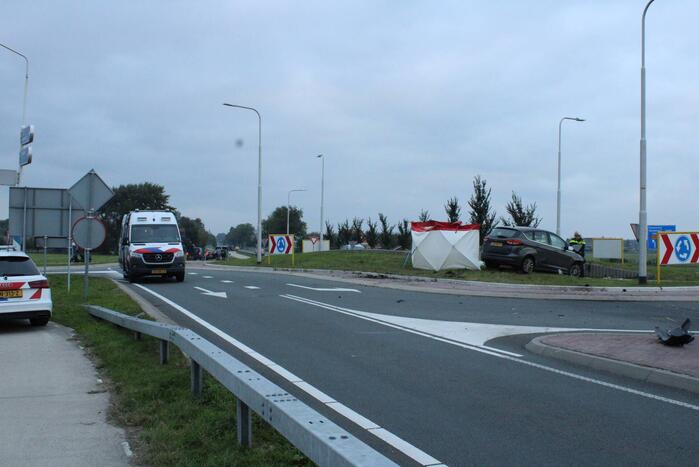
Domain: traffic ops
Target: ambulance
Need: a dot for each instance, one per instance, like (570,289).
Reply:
(151,245)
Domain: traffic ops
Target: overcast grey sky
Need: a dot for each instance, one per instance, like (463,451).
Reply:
(408,101)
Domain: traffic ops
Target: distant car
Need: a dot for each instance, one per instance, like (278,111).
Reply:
(356,246)
(24,293)
(529,249)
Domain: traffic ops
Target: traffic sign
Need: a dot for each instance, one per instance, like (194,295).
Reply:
(89,233)
(281,244)
(679,248)
(91,192)
(653,232)
(26,135)
(25,155)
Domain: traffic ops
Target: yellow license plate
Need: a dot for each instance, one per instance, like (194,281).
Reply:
(159,271)
(496,244)
(10,294)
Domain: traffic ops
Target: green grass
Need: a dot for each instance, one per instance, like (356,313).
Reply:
(393,263)
(171,426)
(60,259)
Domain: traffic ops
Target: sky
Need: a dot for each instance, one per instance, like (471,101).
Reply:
(407,100)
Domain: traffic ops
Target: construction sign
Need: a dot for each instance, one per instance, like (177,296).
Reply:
(677,248)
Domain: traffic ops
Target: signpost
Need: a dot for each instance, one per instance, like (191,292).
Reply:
(653,232)
(26,138)
(281,244)
(91,193)
(677,248)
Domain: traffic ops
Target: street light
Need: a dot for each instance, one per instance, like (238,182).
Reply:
(259,179)
(288,206)
(322,193)
(26,90)
(642,214)
(558,193)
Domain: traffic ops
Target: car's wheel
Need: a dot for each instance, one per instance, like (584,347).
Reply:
(490,264)
(179,276)
(39,321)
(528,265)
(576,270)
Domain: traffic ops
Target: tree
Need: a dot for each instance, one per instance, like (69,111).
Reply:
(193,232)
(344,233)
(276,222)
(481,213)
(453,209)
(386,236)
(424,215)
(404,237)
(372,233)
(357,232)
(330,234)
(520,215)
(143,196)
(242,235)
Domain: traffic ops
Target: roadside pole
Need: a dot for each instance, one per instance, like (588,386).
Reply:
(46,239)
(70,235)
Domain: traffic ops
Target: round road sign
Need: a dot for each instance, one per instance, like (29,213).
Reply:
(89,232)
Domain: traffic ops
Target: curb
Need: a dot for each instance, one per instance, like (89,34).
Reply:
(482,288)
(617,367)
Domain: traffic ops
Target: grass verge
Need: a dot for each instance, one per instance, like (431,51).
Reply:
(61,259)
(394,263)
(172,427)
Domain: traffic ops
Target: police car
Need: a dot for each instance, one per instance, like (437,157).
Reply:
(24,293)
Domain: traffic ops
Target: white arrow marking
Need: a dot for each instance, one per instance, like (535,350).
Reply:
(321,289)
(213,294)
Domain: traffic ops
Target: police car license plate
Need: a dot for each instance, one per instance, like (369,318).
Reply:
(10,294)
(159,271)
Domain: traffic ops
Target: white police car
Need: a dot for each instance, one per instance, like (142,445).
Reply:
(24,293)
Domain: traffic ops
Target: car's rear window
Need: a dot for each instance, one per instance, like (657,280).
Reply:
(17,266)
(503,233)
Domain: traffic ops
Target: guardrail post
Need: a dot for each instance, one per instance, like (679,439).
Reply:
(243,423)
(196,378)
(137,335)
(164,351)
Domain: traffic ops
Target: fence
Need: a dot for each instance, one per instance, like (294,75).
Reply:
(324,442)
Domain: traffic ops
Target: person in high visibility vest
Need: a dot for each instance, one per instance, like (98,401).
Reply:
(578,244)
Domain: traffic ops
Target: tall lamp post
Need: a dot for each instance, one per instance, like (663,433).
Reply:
(558,192)
(288,206)
(259,179)
(26,90)
(642,213)
(322,193)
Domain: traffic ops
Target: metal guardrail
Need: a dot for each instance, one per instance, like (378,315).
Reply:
(324,442)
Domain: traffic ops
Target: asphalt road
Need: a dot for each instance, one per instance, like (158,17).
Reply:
(447,374)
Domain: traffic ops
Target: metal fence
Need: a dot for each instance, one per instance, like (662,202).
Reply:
(323,441)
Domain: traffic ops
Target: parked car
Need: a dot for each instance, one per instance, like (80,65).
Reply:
(353,246)
(529,249)
(24,293)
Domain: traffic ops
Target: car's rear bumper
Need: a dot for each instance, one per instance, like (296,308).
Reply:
(506,259)
(30,309)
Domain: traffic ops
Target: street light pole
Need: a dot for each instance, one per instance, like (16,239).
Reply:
(288,206)
(558,192)
(24,101)
(642,213)
(259,179)
(322,194)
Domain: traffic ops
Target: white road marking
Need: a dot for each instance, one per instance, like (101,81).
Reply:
(501,354)
(323,289)
(251,287)
(192,273)
(207,277)
(213,294)
(227,282)
(334,405)
(368,317)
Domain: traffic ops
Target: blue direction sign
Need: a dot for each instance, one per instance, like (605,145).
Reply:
(26,135)
(25,155)
(653,232)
